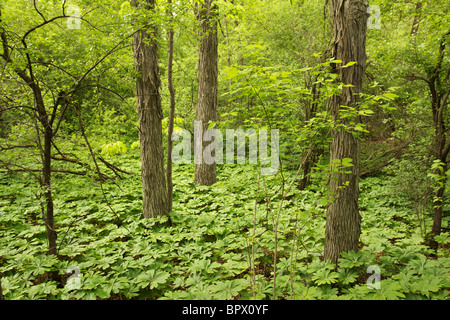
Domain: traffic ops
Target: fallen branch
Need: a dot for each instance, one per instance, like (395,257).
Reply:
(394,153)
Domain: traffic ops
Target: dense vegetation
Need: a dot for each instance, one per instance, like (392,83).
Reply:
(216,249)
(247,236)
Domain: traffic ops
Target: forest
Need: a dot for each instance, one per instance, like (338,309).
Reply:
(224,150)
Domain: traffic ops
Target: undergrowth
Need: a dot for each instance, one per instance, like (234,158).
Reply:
(219,244)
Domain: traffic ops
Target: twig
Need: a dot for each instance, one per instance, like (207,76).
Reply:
(252,258)
(275,231)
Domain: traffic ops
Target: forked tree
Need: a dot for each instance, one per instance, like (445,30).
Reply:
(45,116)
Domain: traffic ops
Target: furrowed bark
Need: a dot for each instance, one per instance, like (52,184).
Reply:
(343,225)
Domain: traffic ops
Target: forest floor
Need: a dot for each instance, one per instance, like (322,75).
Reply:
(220,243)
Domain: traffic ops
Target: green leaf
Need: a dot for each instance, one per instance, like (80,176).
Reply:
(226,290)
(360,127)
(390,96)
(102,293)
(351,63)
(347,162)
(347,276)
(325,276)
(426,284)
(211,124)
(390,290)
(230,73)
(152,278)
(116,284)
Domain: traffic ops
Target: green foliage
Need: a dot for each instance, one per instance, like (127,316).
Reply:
(111,149)
(274,73)
(206,253)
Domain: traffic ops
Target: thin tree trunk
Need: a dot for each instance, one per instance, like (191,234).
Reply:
(241,58)
(438,204)
(310,112)
(205,174)
(154,191)
(46,153)
(343,221)
(1,290)
(49,220)
(230,83)
(46,156)
(171,114)
(227,35)
(416,22)
(438,105)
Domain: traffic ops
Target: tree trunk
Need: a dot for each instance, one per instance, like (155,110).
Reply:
(1,290)
(416,22)
(316,151)
(205,174)
(438,204)
(171,115)
(154,191)
(343,225)
(46,123)
(439,98)
(227,37)
(46,155)
(49,219)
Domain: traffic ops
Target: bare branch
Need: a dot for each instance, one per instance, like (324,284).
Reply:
(16,107)
(15,147)
(64,7)
(96,164)
(114,49)
(37,10)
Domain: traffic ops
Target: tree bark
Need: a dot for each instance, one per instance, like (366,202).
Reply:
(439,101)
(205,174)
(316,151)
(343,221)
(416,22)
(46,155)
(49,219)
(154,191)
(1,290)
(171,114)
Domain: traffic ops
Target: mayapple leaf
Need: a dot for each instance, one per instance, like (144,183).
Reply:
(152,278)
(325,276)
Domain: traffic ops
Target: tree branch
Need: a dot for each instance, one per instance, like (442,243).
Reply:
(114,49)
(15,147)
